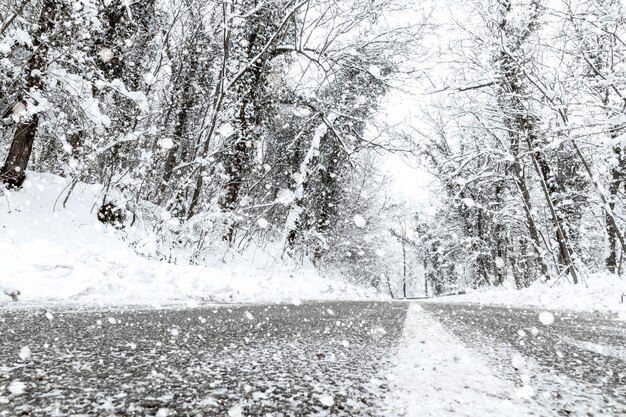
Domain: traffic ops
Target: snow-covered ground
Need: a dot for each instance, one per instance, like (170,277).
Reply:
(437,376)
(53,254)
(599,293)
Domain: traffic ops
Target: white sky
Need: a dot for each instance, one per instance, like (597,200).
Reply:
(412,182)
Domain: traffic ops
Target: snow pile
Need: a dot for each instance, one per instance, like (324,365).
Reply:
(437,376)
(599,293)
(53,254)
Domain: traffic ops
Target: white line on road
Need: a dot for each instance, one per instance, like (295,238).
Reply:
(435,375)
(604,350)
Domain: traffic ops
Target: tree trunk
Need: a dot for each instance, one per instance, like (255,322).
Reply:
(404,276)
(522,186)
(425,277)
(612,230)
(238,159)
(389,286)
(293,224)
(564,247)
(13,172)
(179,134)
(523,124)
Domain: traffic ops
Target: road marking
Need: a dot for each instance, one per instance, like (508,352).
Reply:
(603,350)
(435,375)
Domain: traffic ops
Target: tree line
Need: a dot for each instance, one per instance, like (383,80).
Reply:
(525,134)
(225,122)
(247,122)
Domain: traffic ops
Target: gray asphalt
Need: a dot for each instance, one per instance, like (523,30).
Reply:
(311,359)
(577,365)
(316,358)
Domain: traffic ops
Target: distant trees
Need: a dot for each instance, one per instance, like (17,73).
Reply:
(238,122)
(231,122)
(525,139)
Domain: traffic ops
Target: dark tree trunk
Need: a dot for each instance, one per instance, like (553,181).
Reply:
(13,172)
(542,169)
(404,269)
(520,181)
(330,198)
(389,286)
(500,253)
(239,158)
(617,174)
(533,230)
(523,125)
(118,27)
(425,276)
(179,134)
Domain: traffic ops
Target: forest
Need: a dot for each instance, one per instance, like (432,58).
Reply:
(225,125)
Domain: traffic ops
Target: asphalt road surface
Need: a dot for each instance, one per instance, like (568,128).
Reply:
(576,362)
(310,359)
(320,358)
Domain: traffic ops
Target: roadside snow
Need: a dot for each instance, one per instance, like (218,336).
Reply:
(599,293)
(436,375)
(55,254)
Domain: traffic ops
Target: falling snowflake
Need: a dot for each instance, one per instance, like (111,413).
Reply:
(235,411)
(5,49)
(149,78)
(285,197)
(327,400)
(374,70)
(18,110)
(106,54)
(166,143)
(17,387)
(518,362)
(25,353)
(163,412)
(378,333)
(359,221)
(525,392)
(546,318)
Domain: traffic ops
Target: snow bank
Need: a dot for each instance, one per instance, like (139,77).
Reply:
(599,293)
(53,254)
(437,376)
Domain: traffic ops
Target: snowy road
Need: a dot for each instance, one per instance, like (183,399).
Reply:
(313,358)
(334,358)
(572,364)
